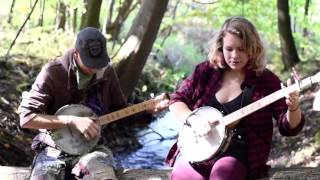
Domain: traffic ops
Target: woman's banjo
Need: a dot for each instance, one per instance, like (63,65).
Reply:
(197,149)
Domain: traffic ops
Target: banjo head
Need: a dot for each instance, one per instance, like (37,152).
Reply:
(70,140)
(197,149)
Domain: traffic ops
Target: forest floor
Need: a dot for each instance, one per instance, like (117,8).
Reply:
(15,142)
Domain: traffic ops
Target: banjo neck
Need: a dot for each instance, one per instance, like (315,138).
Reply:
(241,113)
(128,111)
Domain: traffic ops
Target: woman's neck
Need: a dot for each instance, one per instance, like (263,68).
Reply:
(234,75)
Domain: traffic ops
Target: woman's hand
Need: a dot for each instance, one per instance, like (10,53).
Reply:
(200,125)
(294,112)
(292,99)
(87,126)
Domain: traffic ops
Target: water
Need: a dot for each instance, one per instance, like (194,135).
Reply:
(156,141)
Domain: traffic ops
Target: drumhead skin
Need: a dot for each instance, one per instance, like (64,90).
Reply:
(197,149)
(69,139)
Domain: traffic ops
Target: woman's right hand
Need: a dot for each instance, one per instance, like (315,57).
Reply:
(200,125)
(87,126)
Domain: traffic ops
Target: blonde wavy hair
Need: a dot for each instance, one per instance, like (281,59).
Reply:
(251,40)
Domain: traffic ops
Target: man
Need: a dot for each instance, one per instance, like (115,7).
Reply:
(82,76)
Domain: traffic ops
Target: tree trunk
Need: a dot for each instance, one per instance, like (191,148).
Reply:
(11,11)
(288,49)
(109,17)
(306,12)
(74,20)
(135,51)
(20,29)
(114,28)
(42,7)
(61,16)
(91,17)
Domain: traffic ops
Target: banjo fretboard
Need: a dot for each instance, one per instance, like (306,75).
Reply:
(128,111)
(237,115)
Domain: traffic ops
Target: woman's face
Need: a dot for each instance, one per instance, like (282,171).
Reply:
(233,52)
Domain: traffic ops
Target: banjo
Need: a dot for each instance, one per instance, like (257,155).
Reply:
(197,149)
(71,141)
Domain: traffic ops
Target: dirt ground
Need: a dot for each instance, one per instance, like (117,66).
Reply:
(15,142)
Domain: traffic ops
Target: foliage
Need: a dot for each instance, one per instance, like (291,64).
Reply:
(263,14)
(317,138)
(157,79)
(39,44)
(178,53)
(177,50)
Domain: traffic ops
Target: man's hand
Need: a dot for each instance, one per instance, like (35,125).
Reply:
(85,125)
(162,102)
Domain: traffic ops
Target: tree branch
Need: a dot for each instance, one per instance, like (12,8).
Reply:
(13,42)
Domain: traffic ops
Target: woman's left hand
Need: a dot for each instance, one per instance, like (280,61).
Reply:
(292,99)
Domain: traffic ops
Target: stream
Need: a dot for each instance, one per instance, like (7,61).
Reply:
(157,139)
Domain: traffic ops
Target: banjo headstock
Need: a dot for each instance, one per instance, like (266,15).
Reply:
(316,78)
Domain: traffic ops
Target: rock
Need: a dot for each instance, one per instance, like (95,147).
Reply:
(297,173)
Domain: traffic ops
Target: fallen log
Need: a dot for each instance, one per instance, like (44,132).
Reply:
(296,173)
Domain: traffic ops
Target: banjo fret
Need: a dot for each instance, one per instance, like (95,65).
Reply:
(111,117)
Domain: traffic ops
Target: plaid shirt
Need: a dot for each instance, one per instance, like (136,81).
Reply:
(205,81)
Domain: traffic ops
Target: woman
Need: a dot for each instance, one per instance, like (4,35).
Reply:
(233,75)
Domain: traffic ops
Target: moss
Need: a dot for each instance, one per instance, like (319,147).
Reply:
(317,138)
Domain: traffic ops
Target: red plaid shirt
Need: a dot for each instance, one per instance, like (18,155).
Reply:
(205,81)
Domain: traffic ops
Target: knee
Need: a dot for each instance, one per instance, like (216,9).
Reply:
(228,168)
(185,173)
(42,171)
(96,165)
(177,175)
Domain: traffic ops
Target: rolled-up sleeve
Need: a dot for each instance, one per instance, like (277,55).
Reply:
(36,100)
(279,109)
(183,93)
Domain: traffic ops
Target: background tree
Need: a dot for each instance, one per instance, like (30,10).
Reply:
(42,8)
(135,51)
(306,13)
(11,10)
(114,27)
(92,14)
(288,49)
(74,19)
(61,15)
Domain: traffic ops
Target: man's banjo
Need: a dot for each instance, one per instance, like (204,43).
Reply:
(71,141)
